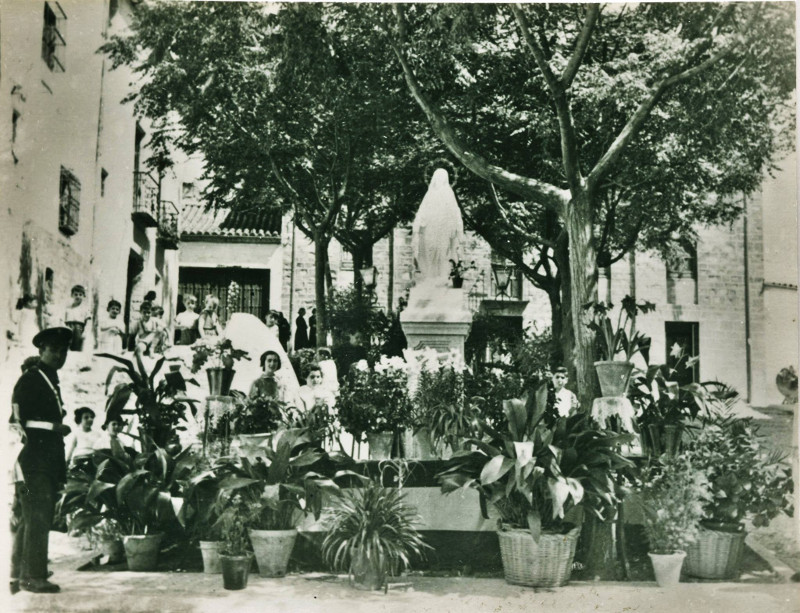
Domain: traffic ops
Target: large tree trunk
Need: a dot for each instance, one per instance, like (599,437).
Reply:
(557,327)
(320,261)
(583,288)
(566,337)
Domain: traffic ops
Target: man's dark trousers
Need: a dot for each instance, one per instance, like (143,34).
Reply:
(37,498)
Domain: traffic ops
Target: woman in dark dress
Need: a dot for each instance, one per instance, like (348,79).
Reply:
(312,329)
(300,330)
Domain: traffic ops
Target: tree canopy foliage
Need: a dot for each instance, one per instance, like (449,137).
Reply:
(287,111)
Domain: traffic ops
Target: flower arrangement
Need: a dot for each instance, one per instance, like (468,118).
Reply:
(437,386)
(234,293)
(673,495)
(216,352)
(622,336)
(375,399)
(458,269)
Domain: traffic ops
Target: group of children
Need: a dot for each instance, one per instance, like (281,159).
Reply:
(82,443)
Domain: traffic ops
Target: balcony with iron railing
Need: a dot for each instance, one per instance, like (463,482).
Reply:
(145,199)
(168,230)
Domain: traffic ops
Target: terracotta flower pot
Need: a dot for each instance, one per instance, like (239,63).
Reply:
(366,574)
(272,549)
(667,567)
(418,445)
(614,377)
(380,445)
(212,564)
(141,550)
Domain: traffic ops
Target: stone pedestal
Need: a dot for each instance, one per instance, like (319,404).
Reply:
(436,317)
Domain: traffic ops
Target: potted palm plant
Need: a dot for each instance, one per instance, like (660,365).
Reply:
(615,338)
(672,495)
(747,482)
(664,407)
(540,476)
(287,482)
(371,534)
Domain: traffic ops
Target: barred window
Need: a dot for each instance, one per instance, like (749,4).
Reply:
(53,36)
(69,202)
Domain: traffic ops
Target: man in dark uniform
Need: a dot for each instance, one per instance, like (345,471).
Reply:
(37,409)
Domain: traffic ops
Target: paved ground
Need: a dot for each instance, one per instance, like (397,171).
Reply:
(195,592)
(179,592)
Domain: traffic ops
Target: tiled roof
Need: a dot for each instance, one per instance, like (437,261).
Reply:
(197,220)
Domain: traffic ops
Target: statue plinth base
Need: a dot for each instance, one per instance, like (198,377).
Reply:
(436,317)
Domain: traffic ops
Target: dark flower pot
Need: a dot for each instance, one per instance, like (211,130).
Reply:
(235,570)
(458,282)
(219,381)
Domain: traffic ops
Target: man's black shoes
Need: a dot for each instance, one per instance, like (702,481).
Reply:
(39,586)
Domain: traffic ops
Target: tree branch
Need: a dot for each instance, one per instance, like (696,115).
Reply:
(569,143)
(536,49)
(592,13)
(636,121)
(516,228)
(533,189)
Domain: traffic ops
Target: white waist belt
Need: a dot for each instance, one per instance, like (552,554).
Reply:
(40,425)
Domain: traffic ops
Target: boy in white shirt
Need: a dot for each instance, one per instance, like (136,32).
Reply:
(566,400)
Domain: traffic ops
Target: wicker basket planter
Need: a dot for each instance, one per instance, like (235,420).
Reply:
(716,554)
(547,563)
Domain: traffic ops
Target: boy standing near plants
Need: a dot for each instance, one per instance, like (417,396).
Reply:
(566,401)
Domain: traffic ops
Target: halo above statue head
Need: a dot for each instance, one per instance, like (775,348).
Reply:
(452,170)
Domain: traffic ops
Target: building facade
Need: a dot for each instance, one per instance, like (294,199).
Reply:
(81,206)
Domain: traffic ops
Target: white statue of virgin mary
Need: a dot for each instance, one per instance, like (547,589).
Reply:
(437,229)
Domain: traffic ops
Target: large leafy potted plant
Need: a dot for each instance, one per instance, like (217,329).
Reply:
(253,420)
(161,407)
(672,495)
(540,476)
(664,407)
(614,338)
(371,534)
(747,482)
(375,402)
(134,491)
(288,481)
